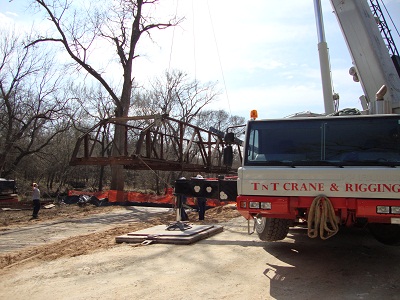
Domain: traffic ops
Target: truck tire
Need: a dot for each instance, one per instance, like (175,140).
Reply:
(272,229)
(388,234)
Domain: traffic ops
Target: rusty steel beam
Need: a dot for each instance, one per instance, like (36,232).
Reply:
(155,142)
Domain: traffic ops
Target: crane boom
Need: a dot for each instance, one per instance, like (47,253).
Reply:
(324,60)
(368,51)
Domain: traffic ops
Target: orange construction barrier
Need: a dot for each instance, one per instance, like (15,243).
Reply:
(114,196)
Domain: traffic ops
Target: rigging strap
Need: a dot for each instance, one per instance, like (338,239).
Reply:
(322,219)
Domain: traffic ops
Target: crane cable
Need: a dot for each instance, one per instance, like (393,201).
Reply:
(219,57)
(155,173)
(390,17)
(172,39)
(322,219)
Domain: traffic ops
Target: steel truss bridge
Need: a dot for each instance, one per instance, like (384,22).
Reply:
(156,142)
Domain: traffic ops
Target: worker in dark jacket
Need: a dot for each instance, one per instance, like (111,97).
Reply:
(201,206)
(201,202)
(182,200)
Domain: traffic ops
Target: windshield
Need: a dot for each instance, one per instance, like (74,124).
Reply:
(361,140)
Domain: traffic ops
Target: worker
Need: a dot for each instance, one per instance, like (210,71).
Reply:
(180,202)
(201,203)
(201,207)
(36,200)
(180,205)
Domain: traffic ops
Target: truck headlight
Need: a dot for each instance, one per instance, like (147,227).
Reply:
(266,205)
(254,204)
(395,210)
(383,209)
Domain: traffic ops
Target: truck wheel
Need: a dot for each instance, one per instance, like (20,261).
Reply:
(388,234)
(272,229)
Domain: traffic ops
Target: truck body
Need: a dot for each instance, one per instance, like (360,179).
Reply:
(8,191)
(352,161)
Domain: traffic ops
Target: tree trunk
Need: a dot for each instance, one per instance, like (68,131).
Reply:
(101,177)
(117,171)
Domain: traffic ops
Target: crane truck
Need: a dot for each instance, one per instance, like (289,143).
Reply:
(337,169)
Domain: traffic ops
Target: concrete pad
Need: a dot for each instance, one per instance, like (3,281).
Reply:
(181,234)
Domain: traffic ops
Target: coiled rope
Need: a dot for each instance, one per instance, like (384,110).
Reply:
(322,219)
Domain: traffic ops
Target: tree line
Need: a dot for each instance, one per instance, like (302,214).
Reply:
(52,90)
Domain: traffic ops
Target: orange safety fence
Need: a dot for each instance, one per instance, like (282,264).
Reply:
(114,196)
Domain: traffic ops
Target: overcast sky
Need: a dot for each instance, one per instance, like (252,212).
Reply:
(263,54)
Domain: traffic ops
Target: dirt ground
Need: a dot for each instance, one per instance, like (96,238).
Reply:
(87,243)
(229,265)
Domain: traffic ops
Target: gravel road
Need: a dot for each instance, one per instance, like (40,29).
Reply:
(39,233)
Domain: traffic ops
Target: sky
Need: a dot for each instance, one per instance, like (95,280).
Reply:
(263,55)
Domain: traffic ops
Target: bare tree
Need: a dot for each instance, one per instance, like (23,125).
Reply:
(177,95)
(221,120)
(32,111)
(80,29)
(96,106)
(182,98)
